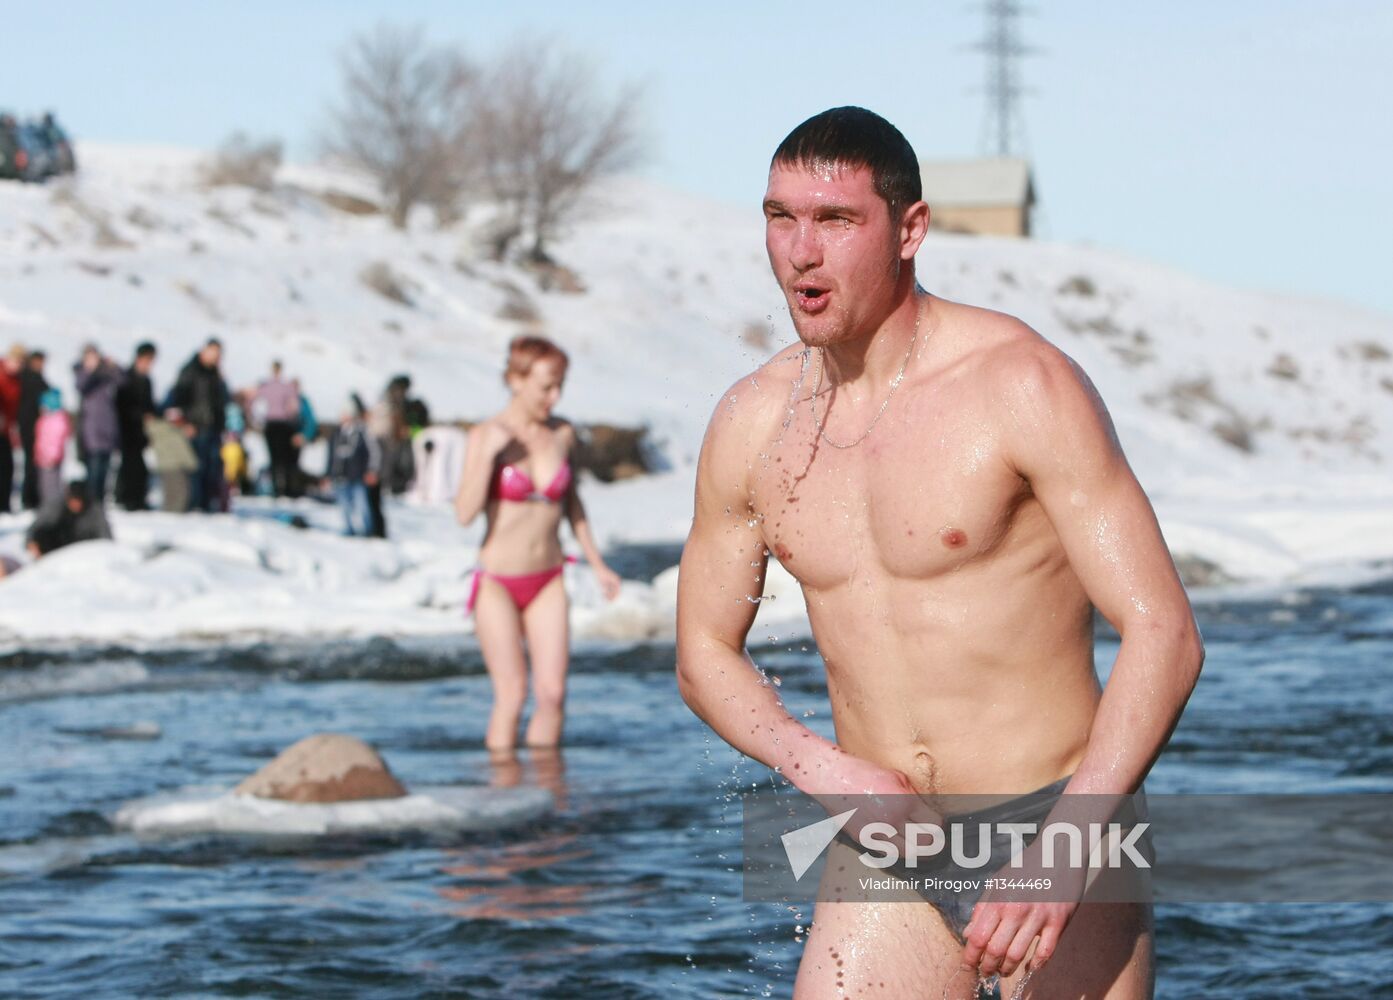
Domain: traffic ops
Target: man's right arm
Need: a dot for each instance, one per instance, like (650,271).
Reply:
(719,585)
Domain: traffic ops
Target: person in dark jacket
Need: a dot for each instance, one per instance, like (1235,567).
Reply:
(97,378)
(355,465)
(72,518)
(201,395)
(135,400)
(10,370)
(32,386)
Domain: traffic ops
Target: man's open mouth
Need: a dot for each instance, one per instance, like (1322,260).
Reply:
(811,297)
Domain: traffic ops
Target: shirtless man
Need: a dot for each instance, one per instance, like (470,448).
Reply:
(947,487)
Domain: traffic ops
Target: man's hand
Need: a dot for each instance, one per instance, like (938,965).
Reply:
(841,773)
(999,935)
(843,781)
(370,479)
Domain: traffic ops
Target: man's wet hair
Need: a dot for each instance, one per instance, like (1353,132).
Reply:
(854,137)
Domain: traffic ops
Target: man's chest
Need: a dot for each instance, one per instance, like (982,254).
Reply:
(916,499)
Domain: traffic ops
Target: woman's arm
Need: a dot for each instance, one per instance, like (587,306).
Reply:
(580,527)
(486,440)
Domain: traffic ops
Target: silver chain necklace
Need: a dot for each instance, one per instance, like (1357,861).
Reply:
(894,384)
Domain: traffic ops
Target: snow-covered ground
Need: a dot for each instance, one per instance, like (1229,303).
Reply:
(1261,425)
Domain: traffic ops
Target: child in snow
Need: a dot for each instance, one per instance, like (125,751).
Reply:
(355,460)
(51,434)
(174,458)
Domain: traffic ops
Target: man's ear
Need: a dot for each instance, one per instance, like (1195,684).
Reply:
(914,226)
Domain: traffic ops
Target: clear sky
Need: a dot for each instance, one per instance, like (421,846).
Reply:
(1243,140)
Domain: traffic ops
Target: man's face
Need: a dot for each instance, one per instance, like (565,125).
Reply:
(834,250)
(144,362)
(211,355)
(36,363)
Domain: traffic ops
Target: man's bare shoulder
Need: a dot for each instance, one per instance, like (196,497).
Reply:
(1045,401)
(757,401)
(1011,358)
(747,415)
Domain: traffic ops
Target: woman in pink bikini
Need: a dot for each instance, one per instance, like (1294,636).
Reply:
(517,471)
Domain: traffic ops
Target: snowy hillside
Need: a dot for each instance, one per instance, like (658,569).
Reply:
(1202,380)
(1261,425)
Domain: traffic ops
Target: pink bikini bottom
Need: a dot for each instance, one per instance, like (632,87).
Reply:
(522,588)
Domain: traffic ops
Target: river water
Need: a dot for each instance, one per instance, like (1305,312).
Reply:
(631,888)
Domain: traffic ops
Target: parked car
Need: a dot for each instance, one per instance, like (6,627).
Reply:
(41,163)
(14,158)
(59,144)
(34,151)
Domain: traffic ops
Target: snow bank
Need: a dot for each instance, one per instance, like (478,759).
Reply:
(1259,424)
(431,810)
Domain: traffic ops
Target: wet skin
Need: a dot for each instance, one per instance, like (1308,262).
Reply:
(950,562)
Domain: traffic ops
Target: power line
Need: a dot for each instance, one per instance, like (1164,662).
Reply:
(1003,125)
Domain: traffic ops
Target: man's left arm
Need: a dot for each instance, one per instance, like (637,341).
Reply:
(1061,440)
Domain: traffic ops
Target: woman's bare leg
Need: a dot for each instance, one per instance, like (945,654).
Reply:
(547,628)
(498,627)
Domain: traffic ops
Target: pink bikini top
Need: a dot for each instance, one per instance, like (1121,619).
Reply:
(512,483)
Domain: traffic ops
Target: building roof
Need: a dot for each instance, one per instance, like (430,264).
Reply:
(1000,180)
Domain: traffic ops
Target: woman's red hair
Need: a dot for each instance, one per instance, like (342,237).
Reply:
(526,351)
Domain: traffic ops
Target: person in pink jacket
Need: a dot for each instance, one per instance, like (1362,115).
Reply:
(51,434)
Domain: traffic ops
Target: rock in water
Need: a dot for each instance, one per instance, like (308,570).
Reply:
(326,767)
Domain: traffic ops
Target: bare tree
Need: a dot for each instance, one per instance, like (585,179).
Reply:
(542,133)
(402,118)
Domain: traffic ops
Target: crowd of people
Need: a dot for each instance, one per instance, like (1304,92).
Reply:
(195,433)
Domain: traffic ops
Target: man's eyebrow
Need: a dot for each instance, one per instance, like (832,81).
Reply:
(770,205)
(825,210)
